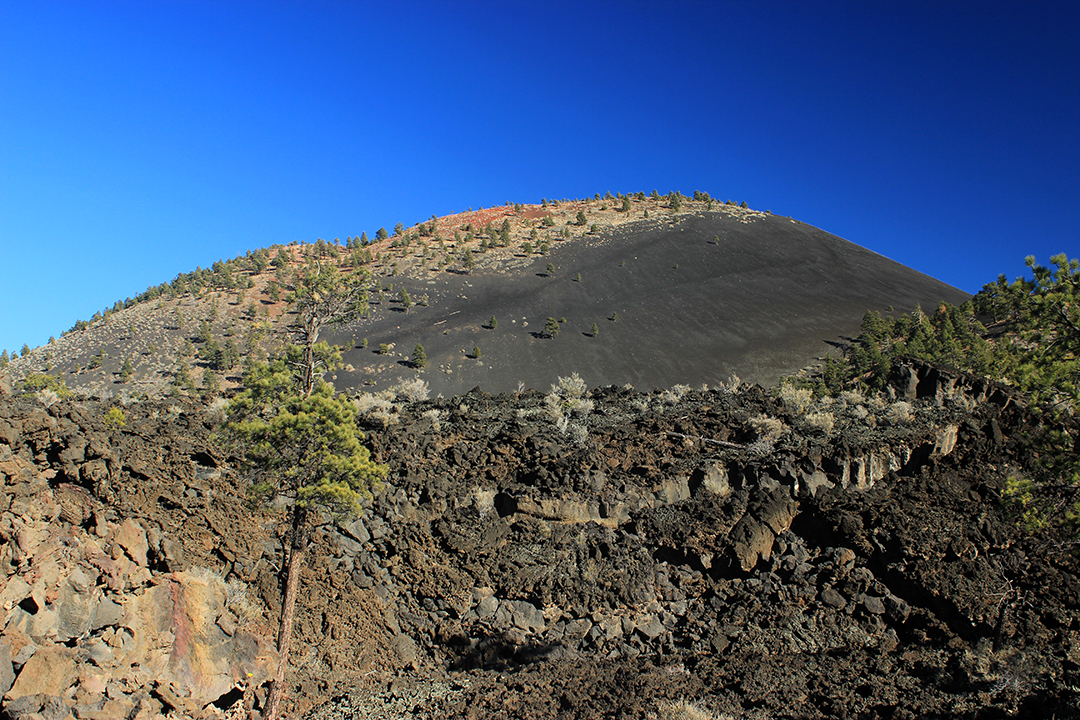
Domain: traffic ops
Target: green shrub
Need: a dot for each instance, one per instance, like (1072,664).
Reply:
(40,381)
(115,418)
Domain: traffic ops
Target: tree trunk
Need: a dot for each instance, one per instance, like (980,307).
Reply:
(298,545)
(307,373)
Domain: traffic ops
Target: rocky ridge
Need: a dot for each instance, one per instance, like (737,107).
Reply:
(604,554)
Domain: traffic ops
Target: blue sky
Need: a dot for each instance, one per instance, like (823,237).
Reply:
(139,140)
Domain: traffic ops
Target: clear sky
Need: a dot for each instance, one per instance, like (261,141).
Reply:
(139,140)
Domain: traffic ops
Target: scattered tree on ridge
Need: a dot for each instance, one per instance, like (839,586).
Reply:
(419,357)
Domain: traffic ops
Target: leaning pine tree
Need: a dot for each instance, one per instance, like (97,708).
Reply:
(300,439)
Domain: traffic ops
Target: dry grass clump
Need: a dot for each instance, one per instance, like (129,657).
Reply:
(685,710)
(821,421)
(674,394)
(796,399)
(377,406)
(567,397)
(732,386)
(413,390)
(432,416)
(237,596)
(852,397)
(575,432)
(48,397)
(768,431)
(899,413)
(767,428)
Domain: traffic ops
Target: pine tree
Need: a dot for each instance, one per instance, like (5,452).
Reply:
(211,385)
(182,376)
(419,357)
(301,440)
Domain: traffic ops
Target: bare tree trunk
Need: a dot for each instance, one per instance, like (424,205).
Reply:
(307,373)
(298,545)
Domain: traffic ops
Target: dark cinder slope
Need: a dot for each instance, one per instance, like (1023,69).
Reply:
(697,300)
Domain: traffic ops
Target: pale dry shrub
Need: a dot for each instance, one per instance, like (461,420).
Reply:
(553,404)
(899,413)
(432,416)
(768,431)
(47,397)
(796,399)
(767,428)
(571,387)
(852,397)
(821,420)
(377,406)
(215,411)
(238,599)
(413,390)
(567,397)
(237,595)
(674,394)
(732,385)
(581,407)
(577,434)
(685,710)
(207,575)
